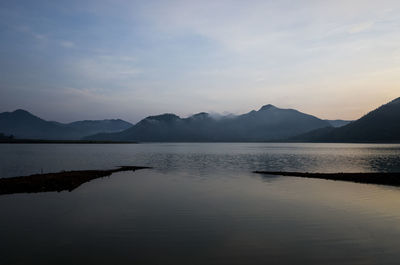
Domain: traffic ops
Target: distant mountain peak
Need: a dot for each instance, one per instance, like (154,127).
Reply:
(267,107)
(163,117)
(201,115)
(21,111)
(23,114)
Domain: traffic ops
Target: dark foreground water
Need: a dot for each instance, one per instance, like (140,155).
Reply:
(202,205)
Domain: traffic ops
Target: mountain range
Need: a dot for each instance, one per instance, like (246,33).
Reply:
(24,125)
(269,123)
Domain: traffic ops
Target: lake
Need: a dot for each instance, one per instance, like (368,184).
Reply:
(201,204)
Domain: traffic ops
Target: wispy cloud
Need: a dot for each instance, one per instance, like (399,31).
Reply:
(106,67)
(361,27)
(67,44)
(27,30)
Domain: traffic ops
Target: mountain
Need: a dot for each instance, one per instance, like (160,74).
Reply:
(267,124)
(338,123)
(24,125)
(88,127)
(380,125)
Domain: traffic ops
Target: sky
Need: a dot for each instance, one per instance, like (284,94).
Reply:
(74,60)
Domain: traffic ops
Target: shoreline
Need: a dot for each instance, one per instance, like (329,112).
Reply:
(60,181)
(34,141)
(382,178)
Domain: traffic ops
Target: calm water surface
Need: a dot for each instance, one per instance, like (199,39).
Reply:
(202,205)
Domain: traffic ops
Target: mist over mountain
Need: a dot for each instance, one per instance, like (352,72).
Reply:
(338,123)
(379,125)
(267,124)
(24,125)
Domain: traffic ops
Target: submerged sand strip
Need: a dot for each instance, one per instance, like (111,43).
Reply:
(384,178)
(65,180)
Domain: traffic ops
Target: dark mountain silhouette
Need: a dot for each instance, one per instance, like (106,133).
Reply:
(267,124)
(380,125)
(6,137)
(24,125)
(88,127)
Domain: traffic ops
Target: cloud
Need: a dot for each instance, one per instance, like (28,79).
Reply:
(361,27)
(39,36)
(29,31)
(67,44)
(269,27)
(106,67)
